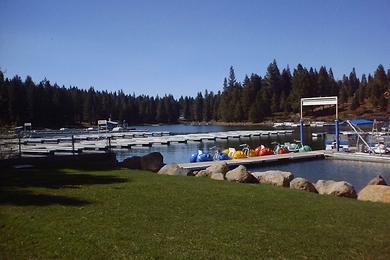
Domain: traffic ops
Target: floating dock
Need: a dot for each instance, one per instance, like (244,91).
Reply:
(361,157)
(125,140)
(260,160)
(291,157)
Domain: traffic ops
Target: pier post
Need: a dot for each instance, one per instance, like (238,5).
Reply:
(20,148)
(301,131)
(73,144)
(337,135)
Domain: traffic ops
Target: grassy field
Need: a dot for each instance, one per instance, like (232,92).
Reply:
(133,214)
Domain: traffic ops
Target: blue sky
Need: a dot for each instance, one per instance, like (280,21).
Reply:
(182,47)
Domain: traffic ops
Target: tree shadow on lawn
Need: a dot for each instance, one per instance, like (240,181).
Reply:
(28,198)
(53,179)
(13,185)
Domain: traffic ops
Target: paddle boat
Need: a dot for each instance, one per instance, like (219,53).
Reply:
(218,155)
(247,151)
(263,151)
(201,156)
(297,147)
(280,148)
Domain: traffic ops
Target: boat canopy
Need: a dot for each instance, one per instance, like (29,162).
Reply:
(361,122)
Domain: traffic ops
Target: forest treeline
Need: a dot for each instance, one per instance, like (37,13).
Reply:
(254,99)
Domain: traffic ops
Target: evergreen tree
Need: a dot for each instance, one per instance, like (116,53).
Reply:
(286,89)
(4,99)
(344,90)
(89,106)
(49,105)
(380,87)
(362,89)
(355,102)
(323,83)
(301,87)
(353,82)
(161,115)
(256,112)
(198,107)
(273,83)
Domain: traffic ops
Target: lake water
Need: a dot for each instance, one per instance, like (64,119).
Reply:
(181,152)
(357,173)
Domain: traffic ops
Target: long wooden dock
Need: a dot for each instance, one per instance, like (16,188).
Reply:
(256,161)
(126,140)
(361,157)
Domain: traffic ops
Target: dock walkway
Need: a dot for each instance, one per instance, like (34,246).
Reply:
(290,157)
(127,140)
(256,161)
(361,157)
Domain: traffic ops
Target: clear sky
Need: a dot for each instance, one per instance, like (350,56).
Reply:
(182,47)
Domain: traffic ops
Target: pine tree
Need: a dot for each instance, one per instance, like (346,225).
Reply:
(377,86)
(324,88)
(206,110)
(286,89)
(363,89)
(89,110)
(301,86)
(247,96)
(198,107)
(4,116)
(353,82)
(232,78)
(256,113)
(334,89)
(161,115)
(273,83)
(355,102)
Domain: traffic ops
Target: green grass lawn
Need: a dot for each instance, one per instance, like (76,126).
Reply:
(130,214)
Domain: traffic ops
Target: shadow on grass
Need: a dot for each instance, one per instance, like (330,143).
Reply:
(13,185)
(53,179)
(27,198)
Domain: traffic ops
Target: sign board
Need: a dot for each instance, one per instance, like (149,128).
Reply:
(27,124)
(319,101)
(102,122)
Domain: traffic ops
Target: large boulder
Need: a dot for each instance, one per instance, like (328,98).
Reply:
(173,169)
(336,188)
(217,167)
(240,174)
(376,193)
(152,162)
(217,176)
(133,162)
(277,178)
(202,173)
(217,171)
(302,184)
(378,180)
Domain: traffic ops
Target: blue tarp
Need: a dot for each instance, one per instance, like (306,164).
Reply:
(361,122)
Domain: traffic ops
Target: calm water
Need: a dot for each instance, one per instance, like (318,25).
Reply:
(181,152)
(357,173)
